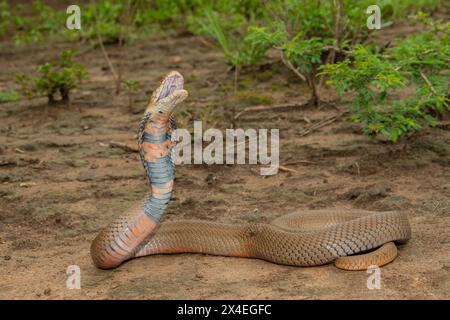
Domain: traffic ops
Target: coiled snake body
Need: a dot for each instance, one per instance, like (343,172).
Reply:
(301,239)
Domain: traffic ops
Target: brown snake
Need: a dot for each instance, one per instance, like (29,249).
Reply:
(309,238)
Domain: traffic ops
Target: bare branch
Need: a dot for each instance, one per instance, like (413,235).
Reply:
(322,124)
(331,58)
(337,49)
(124,146)
(291,66)
(283,168)
(276,108)
(298,162)
(429,84)
(100,42)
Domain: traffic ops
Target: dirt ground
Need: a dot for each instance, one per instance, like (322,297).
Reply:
(60,183)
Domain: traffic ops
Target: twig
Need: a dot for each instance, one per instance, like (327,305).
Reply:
(424,77)
(322,124)
(8,163)
(124,146)
(358,168)
(313,128)
(443,125)
(105,54)
(290,163)
(27,184)
(206,43)
(235,85)
(277,108)
(291,66)
(337,49)
(283,168)
(331,58)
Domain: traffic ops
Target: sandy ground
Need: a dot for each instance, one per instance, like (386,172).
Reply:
(60,183)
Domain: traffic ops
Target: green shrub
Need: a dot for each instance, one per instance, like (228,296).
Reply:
(5,18)
(302,54)
(41,23)
(227,28)
(108,15)
(426,57)
(314,18)
(54,77)
(420,61)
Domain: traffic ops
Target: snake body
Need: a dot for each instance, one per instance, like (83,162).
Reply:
(353,239)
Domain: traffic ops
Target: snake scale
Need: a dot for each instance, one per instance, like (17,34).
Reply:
(353,239)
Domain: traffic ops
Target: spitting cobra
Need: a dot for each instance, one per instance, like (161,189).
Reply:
(353,239)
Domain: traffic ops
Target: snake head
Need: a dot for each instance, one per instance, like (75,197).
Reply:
(168,94)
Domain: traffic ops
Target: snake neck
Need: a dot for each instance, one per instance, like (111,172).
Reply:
(155,146)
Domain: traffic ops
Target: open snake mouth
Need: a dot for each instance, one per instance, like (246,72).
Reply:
(174,81)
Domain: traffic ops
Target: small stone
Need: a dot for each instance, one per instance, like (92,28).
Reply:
(27,184)
(211,179)
(176,59)
(47,291)
(7,257)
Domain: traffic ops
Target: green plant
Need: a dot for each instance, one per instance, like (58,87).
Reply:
(227,27)
(304,34)
(120,21)
(314,18)
(25,83)
(301,54)
(104,17)
(8,96)
(54,77)
(131,87)
(420,60)
(154,15)
(44,21)
(426,57)
(229,33)
(5,17)
(209,115)
(402,9)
